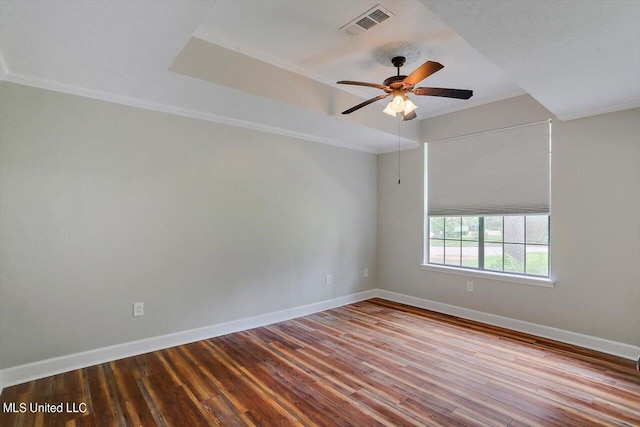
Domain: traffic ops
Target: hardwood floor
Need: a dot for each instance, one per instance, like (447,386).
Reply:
(365,364)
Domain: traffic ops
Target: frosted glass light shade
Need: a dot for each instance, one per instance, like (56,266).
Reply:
(398,104)
(389,110)
(409,106)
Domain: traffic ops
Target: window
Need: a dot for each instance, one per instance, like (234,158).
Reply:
(514,244)
(487,201)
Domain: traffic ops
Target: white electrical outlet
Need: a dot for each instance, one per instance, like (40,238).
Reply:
(366,272)
(328,280)
(138,309)
(469,286)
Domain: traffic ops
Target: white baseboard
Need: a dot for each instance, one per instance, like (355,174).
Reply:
(41,369)
(600,344)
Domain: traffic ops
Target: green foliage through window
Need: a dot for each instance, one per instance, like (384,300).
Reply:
(514,244)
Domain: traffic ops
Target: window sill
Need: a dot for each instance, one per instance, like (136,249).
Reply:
(491,275)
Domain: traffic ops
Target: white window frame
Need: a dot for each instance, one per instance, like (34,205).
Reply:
(520,278)
(547,282)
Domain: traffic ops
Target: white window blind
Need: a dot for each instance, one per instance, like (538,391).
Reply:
(499,172)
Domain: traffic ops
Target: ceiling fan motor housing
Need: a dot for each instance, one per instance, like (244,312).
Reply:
(395,83)
(398,61)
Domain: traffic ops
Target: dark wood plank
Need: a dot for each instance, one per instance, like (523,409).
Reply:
(370,363)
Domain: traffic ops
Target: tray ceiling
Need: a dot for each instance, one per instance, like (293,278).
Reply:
(586,61)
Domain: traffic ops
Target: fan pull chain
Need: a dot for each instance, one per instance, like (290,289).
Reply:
(399,151)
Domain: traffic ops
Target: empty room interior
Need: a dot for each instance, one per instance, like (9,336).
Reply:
(320,212)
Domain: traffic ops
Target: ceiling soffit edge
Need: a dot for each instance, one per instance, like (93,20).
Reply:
(204,34)
(475,103)
(597,111)
(209,62)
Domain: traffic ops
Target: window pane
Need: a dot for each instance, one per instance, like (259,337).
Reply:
(493,229)
(470,228)
(436,227)
(436,251)
(514,229)
(454,241)
(470,254)
(493,256)
(538,260)
(538,229)
(513,258)
(452,252)
(452,227)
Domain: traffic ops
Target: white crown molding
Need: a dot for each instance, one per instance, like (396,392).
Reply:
(5,75)
(41,369)
(615,348)
(170,109)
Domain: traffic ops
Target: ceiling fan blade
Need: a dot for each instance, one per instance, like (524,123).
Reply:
(412,115)
(365,103)
(422,72)
(446,93)
(349,82)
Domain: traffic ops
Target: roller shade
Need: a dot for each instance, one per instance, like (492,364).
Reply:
(499,172)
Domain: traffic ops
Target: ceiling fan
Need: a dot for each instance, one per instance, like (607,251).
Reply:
(398,86)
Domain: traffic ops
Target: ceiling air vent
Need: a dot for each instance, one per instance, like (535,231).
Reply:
(367,20)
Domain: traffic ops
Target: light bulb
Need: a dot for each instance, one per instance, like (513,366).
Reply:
(397,104)
(409,106)
(389,110)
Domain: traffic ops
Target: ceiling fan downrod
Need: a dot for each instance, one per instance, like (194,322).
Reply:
(398,61)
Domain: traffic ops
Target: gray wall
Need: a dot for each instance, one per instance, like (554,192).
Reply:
(103,205)
(595,224)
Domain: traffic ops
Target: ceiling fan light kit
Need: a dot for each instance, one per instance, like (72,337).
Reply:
(408,105)
(400,104)
(388,110)
(397,103)
(399,86)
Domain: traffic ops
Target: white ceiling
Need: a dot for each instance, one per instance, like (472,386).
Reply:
(304,36)
(575,57)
